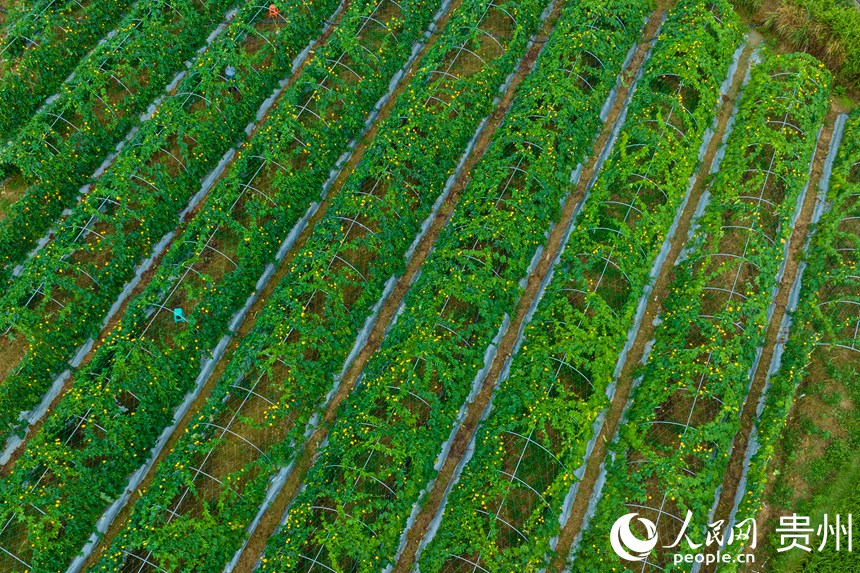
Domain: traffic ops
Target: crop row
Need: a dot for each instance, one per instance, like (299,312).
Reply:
(142,371)
(672,452)
(823,343)
(50,463)
(63,143)
(261,405)
(64,292)
(39,51)
(11,11)
(380,454)
(19,10)
(509,501)
(218,260)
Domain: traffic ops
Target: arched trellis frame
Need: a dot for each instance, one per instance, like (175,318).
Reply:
(752,221)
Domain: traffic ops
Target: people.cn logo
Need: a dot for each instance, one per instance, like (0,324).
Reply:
(625,543)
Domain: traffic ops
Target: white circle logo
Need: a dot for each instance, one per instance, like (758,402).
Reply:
(626,545)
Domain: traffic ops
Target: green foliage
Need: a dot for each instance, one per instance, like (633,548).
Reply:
(127,398)
(278,184)
(558,380)
(818,337)
(411,390)
(79,274)
(62,144)
(684,412)
(39,52)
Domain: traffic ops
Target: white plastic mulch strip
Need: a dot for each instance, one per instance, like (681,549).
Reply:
(574,180)
(654,273)
(146,116)
(785,325)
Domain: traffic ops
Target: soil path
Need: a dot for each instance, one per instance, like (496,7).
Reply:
(436,495)
(267,291)
(150,273)
(271,519)
(573,527)
(734,470)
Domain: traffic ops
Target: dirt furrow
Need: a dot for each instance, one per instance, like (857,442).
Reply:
(271,519)
(150,269)
(436,495)
(147,114)
(645,333)
(283,268)
(734,470)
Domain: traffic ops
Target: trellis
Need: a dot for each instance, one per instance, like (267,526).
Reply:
(667,434)
(14,541)
(88,228)
(13,535)
(236,447)
(343,61)
(30,42)
(358,228)
(450,72)
(260,17)
(33,16)
(519,175)
(690,408)
(137,23)
(621,209)
(529,467)
(842,291)
(83,232)
(313,556)
(529,464)
(159,310)
(765,210)
(12,547)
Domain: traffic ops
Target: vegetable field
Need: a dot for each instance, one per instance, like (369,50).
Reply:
(436,286)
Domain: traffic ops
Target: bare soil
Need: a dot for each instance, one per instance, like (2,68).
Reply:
(652,309)
(735,468)
(147,276)
(11,353)
(271,519)
(11,189)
